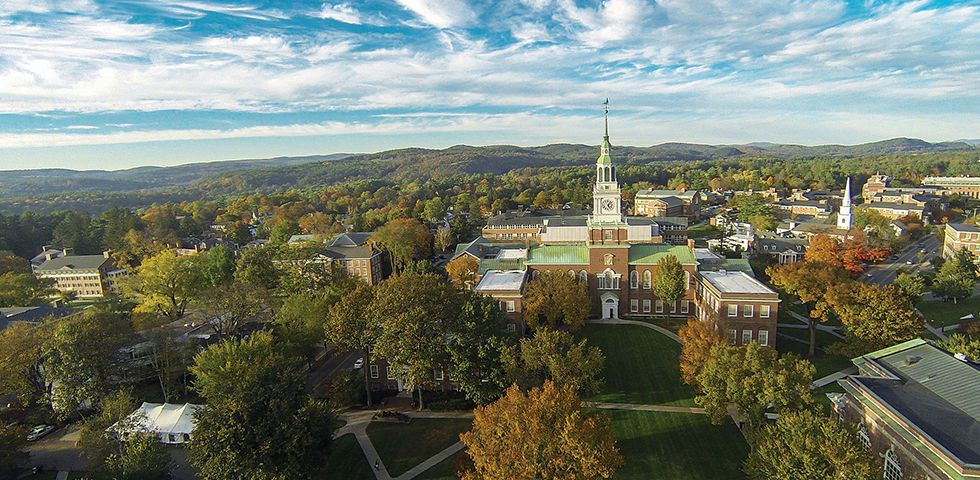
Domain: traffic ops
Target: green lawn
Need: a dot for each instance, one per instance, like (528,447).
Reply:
(403,446)
(941,314)
(444,470)
(680,446)
(347,461)
(642,366)
(825,364)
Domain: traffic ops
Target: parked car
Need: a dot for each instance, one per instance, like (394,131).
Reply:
(359,363)
(39,431)
(909,262)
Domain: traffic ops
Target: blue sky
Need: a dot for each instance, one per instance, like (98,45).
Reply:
(112,84)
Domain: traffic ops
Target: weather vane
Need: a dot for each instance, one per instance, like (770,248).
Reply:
(605,107)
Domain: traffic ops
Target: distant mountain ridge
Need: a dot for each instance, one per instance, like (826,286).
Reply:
(272,174)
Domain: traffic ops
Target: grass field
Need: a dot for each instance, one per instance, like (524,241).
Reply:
(347,462)
(677,446)
(941,314)
(642,366)
(403,446)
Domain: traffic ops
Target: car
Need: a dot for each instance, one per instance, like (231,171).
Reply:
(909,262)
(39,431)
(868,275)
(359,363)
(922,251)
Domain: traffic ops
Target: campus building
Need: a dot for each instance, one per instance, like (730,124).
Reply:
(668,203)
(742,306)
(352,252)
(87,276)
(968,186)
(918,408)
(959,236)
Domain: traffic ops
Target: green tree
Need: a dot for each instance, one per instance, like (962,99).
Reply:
(164,284)
(83,359)
(116,223)
(555,298)
(21,362)
(911,284)
(875,316)
(217,266)
(475,348)
(299,323)
(669,283)
(257,266)
(24,289)
(554,355)
(13,448)
(415,313)
(169,358)
(11,263)
(956,278)
(350,325)
(959,343)
(142,457)
(281,231)
(259,422)
(404,239)
(78,232)
(94,441)
(230,306)
(754,379)
(435,210)
(805,445)
(238,232)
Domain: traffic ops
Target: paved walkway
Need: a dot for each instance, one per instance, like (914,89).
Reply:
(619,321)
(644,407)
(431,462)
(62,475)
(827,328)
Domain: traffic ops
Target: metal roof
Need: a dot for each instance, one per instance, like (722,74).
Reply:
(558,255)
(651,254)
(73,262)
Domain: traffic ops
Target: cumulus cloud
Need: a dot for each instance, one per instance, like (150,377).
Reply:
(441,13)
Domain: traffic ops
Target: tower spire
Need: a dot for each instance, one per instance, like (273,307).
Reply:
(604,158)
(605,109)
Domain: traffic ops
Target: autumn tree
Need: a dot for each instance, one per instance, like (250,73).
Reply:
(96,443)
(444,238)
(544,433)
(230,306)
(164,284)
(555,355)
(141,456)
(806,445)
(554,298)
(875,316)
(754,379)
(259,421)
(169,358)
(350,325)
(21,362)
(462,270)
(13,449)
(669,282)
(825,250)
(24,289)
(809,280)
(404,239)
(415,313)
(697,339)
(911,284)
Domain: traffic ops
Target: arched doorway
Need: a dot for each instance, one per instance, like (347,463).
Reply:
(610,305)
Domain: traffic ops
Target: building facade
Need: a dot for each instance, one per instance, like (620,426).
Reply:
(668,203)
(87,276)
(743,307)
(968,186)
(917,408)
(352,252)
(959,236)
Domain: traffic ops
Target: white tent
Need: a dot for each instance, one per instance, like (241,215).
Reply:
(173,423)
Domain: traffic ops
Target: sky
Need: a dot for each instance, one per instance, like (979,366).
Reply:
(99,84)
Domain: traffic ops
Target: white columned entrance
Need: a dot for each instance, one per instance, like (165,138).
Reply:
(610,305)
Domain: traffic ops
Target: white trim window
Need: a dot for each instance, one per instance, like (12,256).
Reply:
(863,438)
(673,307)
(733,336)
(646,306)
(374,371)
(634,279)
(388,373)
(764,338)
(660,306)
(764,311)
(748,310)
(746,337)
(647,280)
(893,469)
(438,374)
(685,306)
(687,280)
(510,306)
(634,305)
(511,327)
(732,310)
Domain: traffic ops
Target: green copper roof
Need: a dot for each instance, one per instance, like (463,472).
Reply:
(604,157)
(558,255)
(651,254)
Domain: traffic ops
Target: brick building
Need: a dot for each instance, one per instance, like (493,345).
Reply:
(743,306)
(668,203)
(87,276)
(959,236)
(917,408)
(352,252)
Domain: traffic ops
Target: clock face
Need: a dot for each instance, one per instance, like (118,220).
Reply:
(607,204)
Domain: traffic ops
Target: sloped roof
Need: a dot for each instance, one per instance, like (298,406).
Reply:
(666,193)
(350,239)
(165,418)
(651,254)
(670,201)
(73,262)
(558,255)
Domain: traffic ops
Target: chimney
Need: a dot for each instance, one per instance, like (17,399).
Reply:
(106,253)
(912,359)
(690,244)
(47,256)
(68,251)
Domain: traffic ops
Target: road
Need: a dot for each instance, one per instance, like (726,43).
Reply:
(885,272)
(336,364)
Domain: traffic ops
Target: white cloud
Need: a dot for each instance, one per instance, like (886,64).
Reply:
(341,12)
(441,13)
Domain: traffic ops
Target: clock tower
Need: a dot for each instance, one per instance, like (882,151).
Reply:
(606,194)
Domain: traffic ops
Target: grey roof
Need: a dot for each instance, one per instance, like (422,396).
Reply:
(964,227)
(496,280)
(669,220)
(797,203)
(536,217)
(894,206)
(736,282)
(671,201)
(666,193)
(363,251)
(73,262)
(31,314)
(350,239)
(41,257)
(934,391)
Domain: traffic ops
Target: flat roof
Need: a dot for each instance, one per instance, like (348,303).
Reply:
(964,227)
(512,254)
(735,282)
(496,280)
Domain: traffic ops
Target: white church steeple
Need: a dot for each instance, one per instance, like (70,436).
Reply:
(606,194)
(844,215)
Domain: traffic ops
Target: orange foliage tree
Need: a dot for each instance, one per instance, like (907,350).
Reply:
(698,338)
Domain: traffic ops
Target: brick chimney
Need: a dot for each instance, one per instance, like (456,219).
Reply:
(690,244)
(106,254)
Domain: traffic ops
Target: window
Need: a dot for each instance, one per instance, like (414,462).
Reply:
(634,279)
(607,234)
(764,338)
(438,374)
(647,280)
(608,280)
(388,372)
(748,310)
(687,280)
(764,311)
(733,310)
(660,306)
(511,327)
(863,437)
(746,337)
(535,274)
(634,305)
(893,469)
(646,306)
(509,304)
(374,371)
(583,276)
(685,306)
(732,335)
(673,307)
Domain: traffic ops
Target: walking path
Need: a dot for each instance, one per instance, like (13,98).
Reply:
(62,475)
(644,407)
(827,328)
(432,461)
(619,321)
